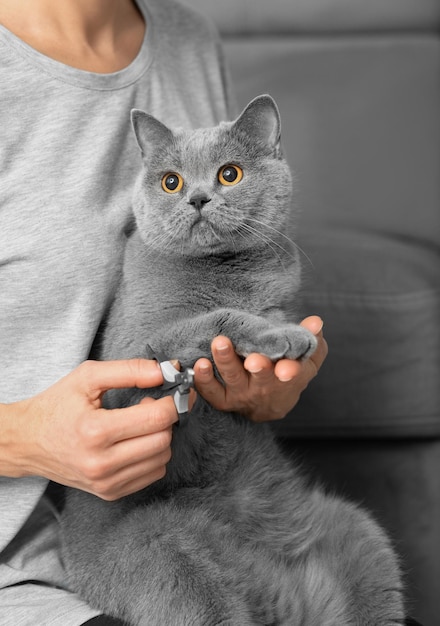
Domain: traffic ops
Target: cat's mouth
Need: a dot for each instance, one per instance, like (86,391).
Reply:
(205,233)
(203,227)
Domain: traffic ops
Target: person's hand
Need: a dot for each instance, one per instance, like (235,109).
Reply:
(256,387)
(65,435)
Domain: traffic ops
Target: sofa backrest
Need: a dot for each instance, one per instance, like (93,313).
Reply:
(261,17)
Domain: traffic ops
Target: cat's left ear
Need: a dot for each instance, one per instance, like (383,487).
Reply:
(149,131)
(261,120)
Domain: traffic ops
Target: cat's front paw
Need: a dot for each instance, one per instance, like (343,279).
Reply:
(290,341)
(186,350)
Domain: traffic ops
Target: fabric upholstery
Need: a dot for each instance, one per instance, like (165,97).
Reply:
(380,299)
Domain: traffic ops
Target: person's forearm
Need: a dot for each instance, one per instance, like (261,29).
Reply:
(12,442)
(64,434)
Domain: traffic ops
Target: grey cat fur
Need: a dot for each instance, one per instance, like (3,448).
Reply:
(234,534)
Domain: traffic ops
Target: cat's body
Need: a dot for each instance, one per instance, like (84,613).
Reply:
(232,535)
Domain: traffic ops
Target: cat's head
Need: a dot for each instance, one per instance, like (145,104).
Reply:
(214,190)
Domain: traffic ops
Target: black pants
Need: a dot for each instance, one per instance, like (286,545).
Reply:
(103,620)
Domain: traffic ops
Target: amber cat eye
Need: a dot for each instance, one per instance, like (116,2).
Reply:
(172,182)
(230,175)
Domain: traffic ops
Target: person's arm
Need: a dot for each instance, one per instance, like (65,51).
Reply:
(65,435)
(256,387)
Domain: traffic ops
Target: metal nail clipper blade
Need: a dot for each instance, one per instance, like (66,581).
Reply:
(181,381)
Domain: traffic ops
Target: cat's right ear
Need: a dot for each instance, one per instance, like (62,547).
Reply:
(149,131)
(261,120)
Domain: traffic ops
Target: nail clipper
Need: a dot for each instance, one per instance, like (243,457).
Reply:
(181,381)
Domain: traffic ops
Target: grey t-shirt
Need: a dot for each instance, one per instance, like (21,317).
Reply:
(68,161)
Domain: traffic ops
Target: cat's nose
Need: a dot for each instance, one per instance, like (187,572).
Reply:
(198,200)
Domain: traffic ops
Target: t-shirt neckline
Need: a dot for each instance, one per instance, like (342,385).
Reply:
(83,78)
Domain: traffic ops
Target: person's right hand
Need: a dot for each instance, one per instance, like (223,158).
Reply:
(65,434)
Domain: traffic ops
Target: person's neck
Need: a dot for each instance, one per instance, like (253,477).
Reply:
(98,36)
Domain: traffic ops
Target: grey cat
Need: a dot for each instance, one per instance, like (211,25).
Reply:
(234,534)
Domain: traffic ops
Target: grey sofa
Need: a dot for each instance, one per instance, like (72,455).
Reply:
(358,86)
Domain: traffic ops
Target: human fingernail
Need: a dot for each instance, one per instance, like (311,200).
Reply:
(284,379)
(204,370)
(223,347)
(254,369)
(317,325)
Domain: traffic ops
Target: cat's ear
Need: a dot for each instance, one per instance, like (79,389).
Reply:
(149,131)
(261,120)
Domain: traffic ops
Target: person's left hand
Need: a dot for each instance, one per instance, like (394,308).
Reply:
(256,387)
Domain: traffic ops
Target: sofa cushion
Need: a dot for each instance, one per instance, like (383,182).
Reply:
(379,297)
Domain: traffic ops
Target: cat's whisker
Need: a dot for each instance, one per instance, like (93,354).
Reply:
(288,239)
(230,234)
(162,241)
(173,240)
(214,233)
(154,245)
(258,235)
(276,230)
(266,240)
(263,237)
